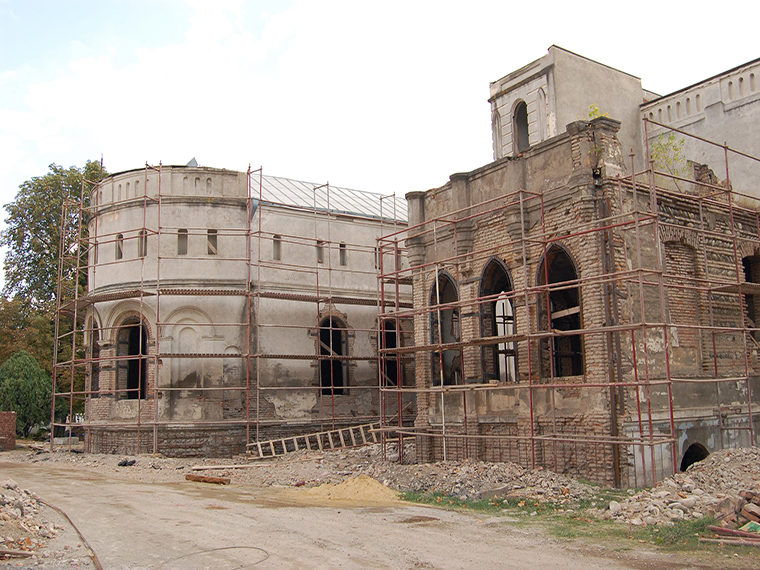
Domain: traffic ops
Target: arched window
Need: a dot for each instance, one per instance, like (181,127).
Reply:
(391,364)
(132,359)
(119,246)
(95,364)
(751,301)
(497,318)
(182,241)
(277,247)
(559,310)
(520,139)
(332,344)
(444,329)
(142,243)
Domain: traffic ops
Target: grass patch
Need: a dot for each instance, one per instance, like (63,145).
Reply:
(577,525)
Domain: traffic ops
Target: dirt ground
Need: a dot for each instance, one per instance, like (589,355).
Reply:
(275,514)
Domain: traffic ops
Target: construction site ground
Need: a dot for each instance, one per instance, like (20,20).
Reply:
(319,509)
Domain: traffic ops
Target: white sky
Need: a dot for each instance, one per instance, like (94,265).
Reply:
(382,96)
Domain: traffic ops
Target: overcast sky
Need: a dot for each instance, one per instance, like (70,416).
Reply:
(382,96)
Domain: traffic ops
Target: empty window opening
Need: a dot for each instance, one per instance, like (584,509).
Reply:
(119,245)
(142,243)
(343,254)
(688,105)
(730,90)
(699,103)
(751,301)
(520,128)
(182,241)
(332,345)
(694,453)
(741,87)
(132,362)
(497,319)
(391,364)
(211,243)
(277,247)
(559,310)
(320,251)
(444,329)
(94,369)
(95,253)
(751,81)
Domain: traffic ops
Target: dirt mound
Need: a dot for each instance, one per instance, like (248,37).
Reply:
(362,489)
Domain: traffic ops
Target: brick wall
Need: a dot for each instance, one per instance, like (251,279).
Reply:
(7,431)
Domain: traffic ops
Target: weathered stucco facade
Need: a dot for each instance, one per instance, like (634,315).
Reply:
(224,308)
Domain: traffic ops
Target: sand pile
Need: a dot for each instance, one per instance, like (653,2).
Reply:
(361,489)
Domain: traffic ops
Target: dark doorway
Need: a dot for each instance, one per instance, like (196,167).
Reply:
(694,453)
(132,351)
(332,342)
(559,310)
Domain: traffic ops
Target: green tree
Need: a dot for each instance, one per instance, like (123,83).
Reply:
(25,389)
(33,229)
(25,329)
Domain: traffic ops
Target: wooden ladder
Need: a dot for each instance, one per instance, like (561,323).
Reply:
(352,436)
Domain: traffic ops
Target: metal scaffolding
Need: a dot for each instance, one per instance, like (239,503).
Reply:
(618,338)
(82,352)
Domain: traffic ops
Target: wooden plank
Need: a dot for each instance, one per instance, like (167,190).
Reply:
(330,439)
(295,443)
(261,452)
(351,433)
(319,441)
(284,446)
(364,435)
(206,479)
(342,441)
(271,446)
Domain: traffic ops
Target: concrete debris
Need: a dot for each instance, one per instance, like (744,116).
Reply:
(724,485)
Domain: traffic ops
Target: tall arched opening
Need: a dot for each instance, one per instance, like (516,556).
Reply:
(497,318)
(390,360)
(332,343)
(559,310)
(132,359)
(444,329)
(520,139)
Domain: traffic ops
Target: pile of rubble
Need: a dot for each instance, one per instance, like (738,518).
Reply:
(719,486)
(22,527)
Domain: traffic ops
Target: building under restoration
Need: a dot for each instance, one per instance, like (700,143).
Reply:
(223,308)
(577,306)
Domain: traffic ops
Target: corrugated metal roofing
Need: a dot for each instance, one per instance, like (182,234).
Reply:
(277,190)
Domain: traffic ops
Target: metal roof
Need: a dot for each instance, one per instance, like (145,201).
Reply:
(277,190)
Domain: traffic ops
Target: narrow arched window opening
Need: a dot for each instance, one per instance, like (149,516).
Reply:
(520,128)
(182,241)
(119,246)
(332,346)
(444,329)
(391,364)
(277,247)
(142,243)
